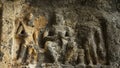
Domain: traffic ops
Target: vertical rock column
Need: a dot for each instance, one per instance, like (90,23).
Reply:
(113,41)
(6,27)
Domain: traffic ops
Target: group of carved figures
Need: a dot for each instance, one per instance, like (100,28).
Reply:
(58,41)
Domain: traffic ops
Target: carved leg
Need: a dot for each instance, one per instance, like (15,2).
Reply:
(15,49)
(93,50)
(24,54)
(87,54)
(101,47)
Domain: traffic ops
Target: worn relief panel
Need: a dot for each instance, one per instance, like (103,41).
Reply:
(59,34)
(58,43)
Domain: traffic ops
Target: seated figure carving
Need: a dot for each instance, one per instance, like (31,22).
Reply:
(62,36)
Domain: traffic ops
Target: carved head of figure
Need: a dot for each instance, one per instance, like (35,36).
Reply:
(60,18)
(30,20)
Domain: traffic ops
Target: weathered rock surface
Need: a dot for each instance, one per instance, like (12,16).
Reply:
(59,34)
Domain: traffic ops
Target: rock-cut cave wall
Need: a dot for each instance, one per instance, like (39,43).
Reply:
(59,34)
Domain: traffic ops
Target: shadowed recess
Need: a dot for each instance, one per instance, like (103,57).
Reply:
(1,10)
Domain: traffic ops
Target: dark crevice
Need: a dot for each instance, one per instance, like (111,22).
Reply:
(1,13)
(49,58)
(52,19)
(117,4)
(97,38)
(105,36)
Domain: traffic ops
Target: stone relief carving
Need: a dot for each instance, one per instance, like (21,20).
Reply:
(91,40)
(58,42)
(65,42)
(26,46)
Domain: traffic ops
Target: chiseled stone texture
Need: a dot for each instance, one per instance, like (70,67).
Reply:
(59,34)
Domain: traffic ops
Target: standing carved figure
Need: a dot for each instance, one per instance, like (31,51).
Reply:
(27,30)
(91,40)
